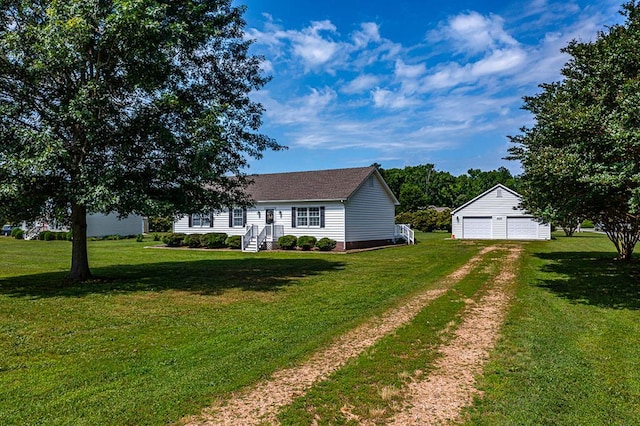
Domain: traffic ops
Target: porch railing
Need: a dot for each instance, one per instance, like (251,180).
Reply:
(262,236)
(248,236)
(404,231)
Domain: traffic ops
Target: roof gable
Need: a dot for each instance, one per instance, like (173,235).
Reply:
(318,185)
(485,193)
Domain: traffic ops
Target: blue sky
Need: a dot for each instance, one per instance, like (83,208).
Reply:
(403,83)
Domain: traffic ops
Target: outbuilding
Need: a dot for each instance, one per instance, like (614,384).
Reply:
(496,215)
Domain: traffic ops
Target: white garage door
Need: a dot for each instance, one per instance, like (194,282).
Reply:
(522,228)
(476,227)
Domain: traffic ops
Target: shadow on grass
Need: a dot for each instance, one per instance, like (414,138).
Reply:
(207,277)
(593,278)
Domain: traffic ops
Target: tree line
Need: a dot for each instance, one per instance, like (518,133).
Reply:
(419,187)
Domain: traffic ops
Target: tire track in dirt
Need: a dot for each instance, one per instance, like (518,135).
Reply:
(440,397)
(261,403)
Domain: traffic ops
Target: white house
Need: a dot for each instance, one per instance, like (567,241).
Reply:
(100,225)
(353,206)
(495,214)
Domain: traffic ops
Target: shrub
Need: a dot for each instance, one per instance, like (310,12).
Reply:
(192,241)
(173,239)
(287,242)
(160,224)
(234,241)
(47,236)
(18,234)
(587,224)
(15,230)
(69,236)
(306,242)
(214,240)
(326,244)
(61,236)
(139,238)
(156,237)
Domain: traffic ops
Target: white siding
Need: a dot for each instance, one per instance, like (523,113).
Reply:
(370,213)
(500,205)
(99,225)
(333,211)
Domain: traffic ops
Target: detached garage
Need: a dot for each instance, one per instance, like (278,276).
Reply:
(495,215)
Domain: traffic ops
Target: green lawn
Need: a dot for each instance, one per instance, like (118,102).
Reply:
(161,333)
(570,354)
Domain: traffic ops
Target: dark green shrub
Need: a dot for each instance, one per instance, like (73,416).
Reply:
(306,242)
(139,238)
(234,241)
(18,234)
(156,237)
(214,240)
(192,241)
(173,239)
(69,236)
(326,244)
(48,236)
(160,224)
(14,231)
(587,224)
(61,236)
(287,242)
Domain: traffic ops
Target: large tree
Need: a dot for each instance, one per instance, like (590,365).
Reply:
(125,106)
(582,156)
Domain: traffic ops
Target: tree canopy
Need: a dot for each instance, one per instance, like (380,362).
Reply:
(125,106)
(418,187)
(581,159)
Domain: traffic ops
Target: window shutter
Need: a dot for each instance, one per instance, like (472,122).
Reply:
(190,221)
(293,217)
(230,217)
(322,217)
(211,219)
(244,217)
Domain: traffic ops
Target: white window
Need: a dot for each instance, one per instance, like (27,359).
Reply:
(238,217)
(201,221)
(308,216)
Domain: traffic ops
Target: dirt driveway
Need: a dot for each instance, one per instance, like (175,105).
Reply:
(434,399)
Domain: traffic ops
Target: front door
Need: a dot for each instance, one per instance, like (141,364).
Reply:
(269,216)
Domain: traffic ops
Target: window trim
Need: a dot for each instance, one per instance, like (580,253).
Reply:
(200,220)
(307,218)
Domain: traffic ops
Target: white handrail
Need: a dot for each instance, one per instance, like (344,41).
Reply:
(248,236)
(405,231)
(261,237)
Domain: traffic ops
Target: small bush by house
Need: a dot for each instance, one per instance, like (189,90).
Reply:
(173,239)
(287,242)
(306,242)
(326,244)
(17,233)
(192,241)
(234,241)
(214,240)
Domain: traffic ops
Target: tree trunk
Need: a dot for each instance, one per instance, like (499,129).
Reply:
(79,256)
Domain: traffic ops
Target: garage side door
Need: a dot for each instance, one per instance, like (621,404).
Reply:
(476,227)
(522,228)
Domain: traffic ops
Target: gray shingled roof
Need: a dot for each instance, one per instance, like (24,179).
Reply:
(336,184)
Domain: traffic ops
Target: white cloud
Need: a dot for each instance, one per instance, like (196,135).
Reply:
(361,84)
(384,98)
(304,109)
(370,32)
(473,33)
